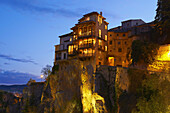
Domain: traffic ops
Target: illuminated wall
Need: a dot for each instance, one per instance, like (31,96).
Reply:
(162,62)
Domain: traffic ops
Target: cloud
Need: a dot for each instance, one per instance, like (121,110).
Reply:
(15,77)
(29,5)
(17,59)
(6,63)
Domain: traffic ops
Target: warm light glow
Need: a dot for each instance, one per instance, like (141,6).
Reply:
(70,39)
(100,42)
(88,18)
(105,48)
(80,32)
(105,26)
(111,61)
(85,51)
(100,33)
(89,99)
(162,62)
(80,42)
(70,48)
(106,37)
(42,76)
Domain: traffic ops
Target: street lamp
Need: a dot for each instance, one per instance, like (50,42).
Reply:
(41,77)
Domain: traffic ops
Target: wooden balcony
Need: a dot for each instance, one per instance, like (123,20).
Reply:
(89,45)
(85,55)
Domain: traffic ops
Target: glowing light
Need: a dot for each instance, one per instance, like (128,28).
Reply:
(162,60)
(91,101)
(42,76)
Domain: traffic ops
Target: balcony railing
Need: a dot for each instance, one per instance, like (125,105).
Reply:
(85,33)
(85,54)
(101,47)
(75,52)
(86,45)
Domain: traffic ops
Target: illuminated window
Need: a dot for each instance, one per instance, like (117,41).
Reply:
(70,39)
(80,42)
(88,18)
(100,42)
(105,26)
(80,32)
(106,37)
(100,33)
(100,20)
(105,48)
(70,48)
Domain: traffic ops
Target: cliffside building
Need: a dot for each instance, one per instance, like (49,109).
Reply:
(91,42)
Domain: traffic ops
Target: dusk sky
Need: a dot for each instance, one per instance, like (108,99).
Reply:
(29,29)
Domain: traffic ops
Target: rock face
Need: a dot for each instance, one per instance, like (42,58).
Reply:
(32,98)
(77,89)
(9,103)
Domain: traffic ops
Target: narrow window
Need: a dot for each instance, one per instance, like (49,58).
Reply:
(105,26)
(119,49)
(64,55)
(110,42)
(106,37)
(100,33)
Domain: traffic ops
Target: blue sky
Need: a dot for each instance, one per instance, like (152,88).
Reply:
(29,29)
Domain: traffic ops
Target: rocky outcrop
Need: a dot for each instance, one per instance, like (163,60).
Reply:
(9,103)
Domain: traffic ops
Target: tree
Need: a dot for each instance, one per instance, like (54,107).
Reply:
(143,52)
(154,95)
(46,71)
(162,20)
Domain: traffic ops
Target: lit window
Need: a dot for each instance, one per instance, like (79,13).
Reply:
(88,18)
(80,42)
(100,33)
(70,39)
(100,20)
(105,26)
(80,32)
(105,48)
(100,42)
(106,37)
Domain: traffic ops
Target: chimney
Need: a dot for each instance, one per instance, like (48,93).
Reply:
(101,13)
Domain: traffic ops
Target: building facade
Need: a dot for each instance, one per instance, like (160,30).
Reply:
(92,43)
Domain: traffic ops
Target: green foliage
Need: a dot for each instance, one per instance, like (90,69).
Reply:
(143,52)
(162,19)
(154,95)
(55,69)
